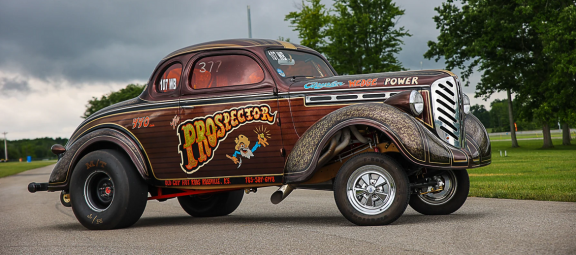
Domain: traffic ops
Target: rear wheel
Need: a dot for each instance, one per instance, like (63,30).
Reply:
(455,186)
(371,189)
(106,192)
(212,204)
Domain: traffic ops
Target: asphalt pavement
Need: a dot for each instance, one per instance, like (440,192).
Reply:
(307,222)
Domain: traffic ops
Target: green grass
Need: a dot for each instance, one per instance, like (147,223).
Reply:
(528,172)
(10,168)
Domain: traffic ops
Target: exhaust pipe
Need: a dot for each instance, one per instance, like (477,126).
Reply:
(282,193)
(33,187)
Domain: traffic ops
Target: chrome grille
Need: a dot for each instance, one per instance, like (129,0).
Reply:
(446,100)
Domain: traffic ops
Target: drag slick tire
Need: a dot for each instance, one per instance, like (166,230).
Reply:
(449,199)
(106,191)
(371,189)
(211,204)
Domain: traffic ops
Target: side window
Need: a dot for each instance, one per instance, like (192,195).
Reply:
(225,70)
(169,80)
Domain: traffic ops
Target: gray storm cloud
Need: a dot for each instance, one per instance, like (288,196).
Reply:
(9,85)
(96,41)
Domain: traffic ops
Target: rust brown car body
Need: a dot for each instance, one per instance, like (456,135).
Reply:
(296,117)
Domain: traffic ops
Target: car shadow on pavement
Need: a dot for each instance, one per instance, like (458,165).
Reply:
(240,220)
(320,220)
(336,220)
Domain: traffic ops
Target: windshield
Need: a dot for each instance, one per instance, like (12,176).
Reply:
(290,63)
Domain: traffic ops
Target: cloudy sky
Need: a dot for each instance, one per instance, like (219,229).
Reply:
(56,55)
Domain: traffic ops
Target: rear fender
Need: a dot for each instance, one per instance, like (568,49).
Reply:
(100,138)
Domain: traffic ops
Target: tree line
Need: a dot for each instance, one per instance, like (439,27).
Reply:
(497,120)
(526,48)
(38,148)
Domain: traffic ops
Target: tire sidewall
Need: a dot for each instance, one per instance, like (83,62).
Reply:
(399,203)
(456,201)
(114,214)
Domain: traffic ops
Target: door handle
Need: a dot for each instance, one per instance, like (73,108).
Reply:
(188,106)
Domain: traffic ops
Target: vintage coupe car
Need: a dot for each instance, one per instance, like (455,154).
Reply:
(220,119)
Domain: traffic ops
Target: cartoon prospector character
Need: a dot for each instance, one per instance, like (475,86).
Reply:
(243,147)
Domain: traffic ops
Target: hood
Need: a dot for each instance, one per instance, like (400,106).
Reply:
(373,80)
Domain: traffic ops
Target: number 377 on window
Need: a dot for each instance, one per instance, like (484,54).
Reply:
(207,66)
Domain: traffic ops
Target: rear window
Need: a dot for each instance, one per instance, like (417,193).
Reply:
(224,71)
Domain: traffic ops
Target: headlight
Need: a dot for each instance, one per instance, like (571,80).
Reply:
(417,103)
(466,103)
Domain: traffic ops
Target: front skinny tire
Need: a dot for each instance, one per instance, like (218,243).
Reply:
(371,189)
(447,201)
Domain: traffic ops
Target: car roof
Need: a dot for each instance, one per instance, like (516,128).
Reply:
(234,44)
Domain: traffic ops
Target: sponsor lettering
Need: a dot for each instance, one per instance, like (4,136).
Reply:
(401,81)
(175,121)
(199,137)
(317,85)
(98,162)
(260,179)
(362,83)
(222,181)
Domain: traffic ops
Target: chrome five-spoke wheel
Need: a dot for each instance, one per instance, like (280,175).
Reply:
(371,189)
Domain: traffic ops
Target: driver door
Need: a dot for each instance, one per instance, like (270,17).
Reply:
(229,132)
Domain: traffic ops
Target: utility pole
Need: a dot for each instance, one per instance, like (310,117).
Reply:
(249,24)
(5,147)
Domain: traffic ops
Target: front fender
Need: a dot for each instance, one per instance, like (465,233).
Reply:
(414,141)
(60,177)
(477,141)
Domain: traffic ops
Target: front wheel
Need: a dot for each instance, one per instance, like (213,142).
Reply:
(453,192)
(371,189)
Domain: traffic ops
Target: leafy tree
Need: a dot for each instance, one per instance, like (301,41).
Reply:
(486,35)
(482,114)
(95,104)
(310,22)
(556,25)
(499,116)
(357,36)
(281,38)
(363,37)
